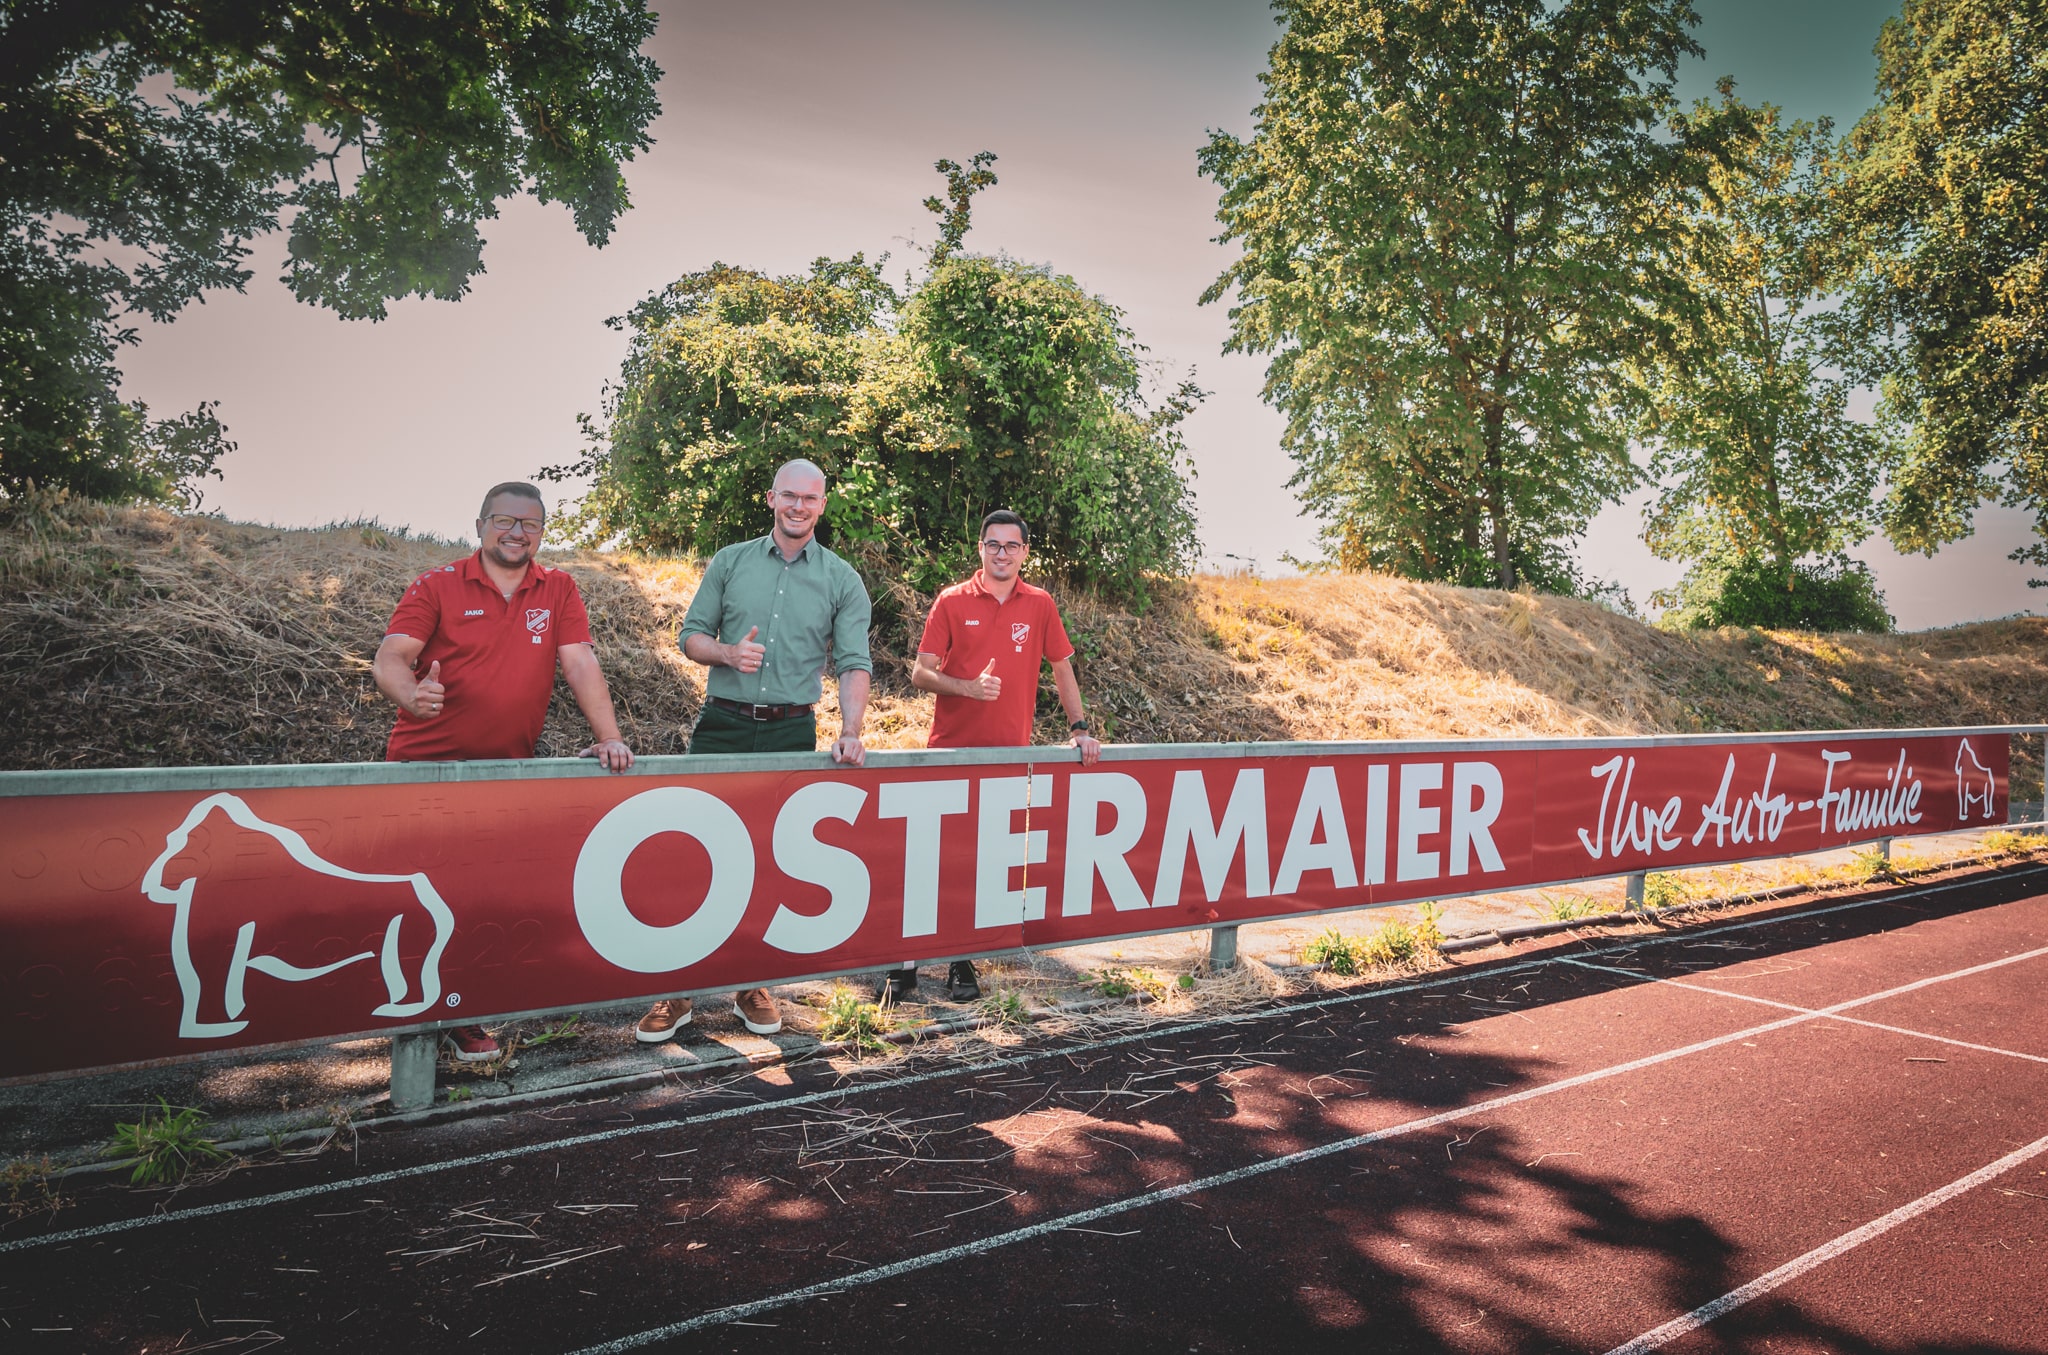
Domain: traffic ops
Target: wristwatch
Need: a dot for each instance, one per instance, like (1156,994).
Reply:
(1078,727)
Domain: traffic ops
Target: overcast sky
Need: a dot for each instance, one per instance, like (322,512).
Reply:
(795,128)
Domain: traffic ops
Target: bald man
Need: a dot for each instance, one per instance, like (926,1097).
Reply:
(771,615)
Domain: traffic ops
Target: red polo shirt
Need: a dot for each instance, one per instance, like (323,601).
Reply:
(497,658)
(967,628)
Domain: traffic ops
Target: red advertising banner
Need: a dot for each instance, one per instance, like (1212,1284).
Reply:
(145,924)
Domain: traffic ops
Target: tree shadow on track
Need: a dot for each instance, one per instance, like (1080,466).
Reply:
(1463,1237)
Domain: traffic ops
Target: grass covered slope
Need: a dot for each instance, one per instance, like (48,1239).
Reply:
(142,638)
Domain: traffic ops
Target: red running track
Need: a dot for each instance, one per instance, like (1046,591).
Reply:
(1820,1130)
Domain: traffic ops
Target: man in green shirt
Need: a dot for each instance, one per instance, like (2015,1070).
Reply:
(769,617)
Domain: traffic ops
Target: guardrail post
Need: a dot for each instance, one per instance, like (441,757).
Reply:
(1884,849)
(1637,883)
(412,1070)
(1222,948)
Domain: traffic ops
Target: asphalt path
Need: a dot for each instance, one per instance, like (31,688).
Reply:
(1819,1130)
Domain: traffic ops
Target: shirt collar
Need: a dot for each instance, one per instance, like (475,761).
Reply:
(978,587)
(775,551)
(472,571)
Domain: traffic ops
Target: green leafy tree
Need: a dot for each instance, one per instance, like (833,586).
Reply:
(1457,219)
(987,384)
(1946,195)
(955,211)
(143,146)
(1766,479)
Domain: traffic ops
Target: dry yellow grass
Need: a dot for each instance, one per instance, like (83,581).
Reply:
(140,638)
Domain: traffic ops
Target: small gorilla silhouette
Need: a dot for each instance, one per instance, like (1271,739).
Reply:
(1975,785)
(230,984)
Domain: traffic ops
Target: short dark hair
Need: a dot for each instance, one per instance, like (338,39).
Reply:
(1003,517)
(518,489)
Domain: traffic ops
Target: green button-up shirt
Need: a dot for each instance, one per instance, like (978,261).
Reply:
(810,610)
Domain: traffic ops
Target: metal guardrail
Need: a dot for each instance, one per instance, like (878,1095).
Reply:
(101,781)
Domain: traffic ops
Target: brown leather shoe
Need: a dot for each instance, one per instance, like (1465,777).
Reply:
(663,1020)
(757,1011)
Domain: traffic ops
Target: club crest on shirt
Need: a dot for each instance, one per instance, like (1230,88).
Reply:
(1020,631)
(537,619)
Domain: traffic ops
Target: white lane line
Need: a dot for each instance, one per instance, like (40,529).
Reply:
(738,1311)
(1795,1007)
(874,1275)
(709,1117)
(859,1089)
(1799,1265)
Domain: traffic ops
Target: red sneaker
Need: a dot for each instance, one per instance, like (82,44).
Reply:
(473,1044)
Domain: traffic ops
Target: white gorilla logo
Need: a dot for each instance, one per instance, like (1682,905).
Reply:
(193,986)
(1975,785)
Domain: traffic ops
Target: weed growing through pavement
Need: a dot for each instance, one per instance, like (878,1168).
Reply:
(1005,1007)
(1429,933)
(1143,984)
(1333,951)
(165,1147)
(1571,907)
(1394,943)
(568,1028)
(847,1016)
(460,1093)
(2005,842)
(1870,864)
(31,1189)
(1665,890)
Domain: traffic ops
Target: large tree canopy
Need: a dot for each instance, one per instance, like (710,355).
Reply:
(1765,478)
(990,384)
(143,146)
(1947,192)
(1458,219)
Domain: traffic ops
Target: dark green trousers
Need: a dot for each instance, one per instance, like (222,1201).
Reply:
(721,731)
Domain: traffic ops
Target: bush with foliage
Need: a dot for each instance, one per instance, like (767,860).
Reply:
(988,383)
(1824,593)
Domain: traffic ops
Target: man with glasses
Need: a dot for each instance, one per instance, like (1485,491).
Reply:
(469,659)
(770,617)
(980,654)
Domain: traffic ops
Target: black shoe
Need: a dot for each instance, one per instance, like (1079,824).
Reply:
(896,985)
(960,980)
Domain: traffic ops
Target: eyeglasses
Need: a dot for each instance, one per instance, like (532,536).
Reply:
(1003,547)
(505,522)
(784,496)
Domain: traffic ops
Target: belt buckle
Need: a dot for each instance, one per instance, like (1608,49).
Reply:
(756,708)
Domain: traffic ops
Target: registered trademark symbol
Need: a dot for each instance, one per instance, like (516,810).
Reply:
(455,999)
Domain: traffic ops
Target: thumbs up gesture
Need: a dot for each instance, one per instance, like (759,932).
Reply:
(747,654)
(988,686)
(429,696)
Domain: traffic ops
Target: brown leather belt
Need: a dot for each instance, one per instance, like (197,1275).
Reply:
(754,712)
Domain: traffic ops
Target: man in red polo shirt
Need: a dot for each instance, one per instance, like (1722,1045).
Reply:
(469,659)
(980,654)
